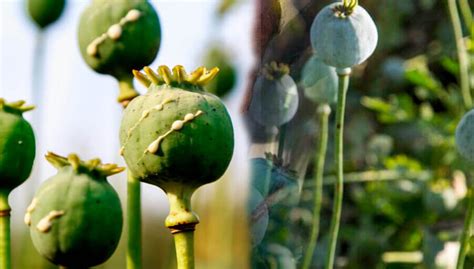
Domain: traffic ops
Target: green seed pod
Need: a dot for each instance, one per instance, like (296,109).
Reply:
(176,134)
(45,12)
(225,82)
(465,136)
(17,145)
(75,217)
(118,36)
(344,34)
(275,96)
(319,81)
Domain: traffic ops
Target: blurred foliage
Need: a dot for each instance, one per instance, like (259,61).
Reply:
(403,107)
(410,96)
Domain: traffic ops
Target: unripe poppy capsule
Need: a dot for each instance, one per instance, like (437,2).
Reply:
(343,36)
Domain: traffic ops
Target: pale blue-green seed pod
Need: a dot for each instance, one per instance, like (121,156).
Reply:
(465,136)
(275,96)
(319,81)
(343,36)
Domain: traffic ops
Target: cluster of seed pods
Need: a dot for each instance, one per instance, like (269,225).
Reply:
(177,124)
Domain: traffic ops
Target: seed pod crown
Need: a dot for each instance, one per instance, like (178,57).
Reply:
(18,107)
(177,77)
(93,166)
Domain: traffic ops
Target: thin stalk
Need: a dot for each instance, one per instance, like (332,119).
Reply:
(462,54)
(37,97)
(134,223)
(182,222)
(5,246)
(126,90)
(281,141)
(323,112)
(467,15)
(344,76)
(184,244)
(37,77)
(466,232)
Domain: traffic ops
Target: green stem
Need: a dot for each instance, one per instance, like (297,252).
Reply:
(467,14)
(182,222)
(127,91)
(344,75)
(134,243)
(184,243)
(281,141)
(37,77)
(324,112)
(462,54)
(5,248)
(466,232)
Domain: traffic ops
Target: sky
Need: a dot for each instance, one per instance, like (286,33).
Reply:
(79,112)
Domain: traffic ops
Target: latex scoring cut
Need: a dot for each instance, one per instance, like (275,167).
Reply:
(176,126)
(114,32)
(145,115)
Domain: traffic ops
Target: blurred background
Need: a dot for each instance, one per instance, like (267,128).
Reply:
(404,201)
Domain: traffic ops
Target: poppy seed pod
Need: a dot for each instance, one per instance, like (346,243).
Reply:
(344,36)
(176,134)
(118,36)
(223,84)
(45,12)
(275,96)
(17,145)
(319,81)
(75,217)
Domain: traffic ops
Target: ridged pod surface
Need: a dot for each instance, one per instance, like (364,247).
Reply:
(319,81)
(17,145)
(343,36)
(75,217)
(45,12)
(176,133)
(118,36)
